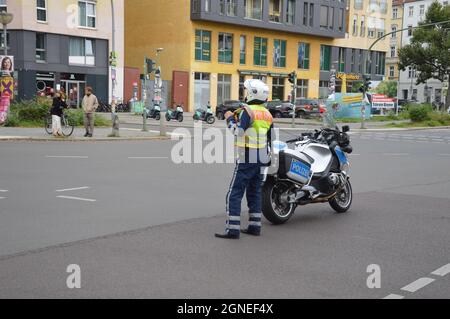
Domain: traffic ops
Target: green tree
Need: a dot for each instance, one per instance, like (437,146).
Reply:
(429,50)
(388,88)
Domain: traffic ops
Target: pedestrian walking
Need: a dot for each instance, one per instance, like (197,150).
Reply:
(251,125)
(56,111)
(90,105)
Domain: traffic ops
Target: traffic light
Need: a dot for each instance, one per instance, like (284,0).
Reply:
(292,77)
(113,58)
(366,85)
(151,65)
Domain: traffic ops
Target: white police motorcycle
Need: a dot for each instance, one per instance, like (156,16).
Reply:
(315,170)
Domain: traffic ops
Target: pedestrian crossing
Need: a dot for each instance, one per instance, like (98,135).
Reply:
(402,137)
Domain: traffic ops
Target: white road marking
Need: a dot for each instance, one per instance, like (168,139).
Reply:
(2,197)
(395,154)
(71,189)
(63,156)
(418,284)
(394,296)
(147,157)
(444,270)
(77,198)
(3,190)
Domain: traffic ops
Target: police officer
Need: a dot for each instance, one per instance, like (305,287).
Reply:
(252,125)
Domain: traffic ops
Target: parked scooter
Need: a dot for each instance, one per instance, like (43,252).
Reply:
(204,115)
(176,114)
(154,113)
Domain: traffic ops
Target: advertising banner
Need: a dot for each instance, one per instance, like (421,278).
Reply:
(348,105)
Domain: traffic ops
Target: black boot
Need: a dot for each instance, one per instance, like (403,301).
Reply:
(227,235)
(86,135)
(251,232)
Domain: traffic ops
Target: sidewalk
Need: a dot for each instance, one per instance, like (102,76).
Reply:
(100,134)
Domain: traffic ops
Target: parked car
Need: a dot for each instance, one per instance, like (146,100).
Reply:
(230,105)
(308,107)
(280,109)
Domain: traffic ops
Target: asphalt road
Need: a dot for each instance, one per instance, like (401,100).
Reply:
(140,226)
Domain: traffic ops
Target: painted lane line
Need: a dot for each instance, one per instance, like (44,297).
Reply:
(149,157)
(3,191)
(71,189)
(2,197)
(418,284)
(62,156)
(394,296)
(77,198)
(444,270)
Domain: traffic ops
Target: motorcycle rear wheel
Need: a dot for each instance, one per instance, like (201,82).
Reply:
(343,200)
(273,210)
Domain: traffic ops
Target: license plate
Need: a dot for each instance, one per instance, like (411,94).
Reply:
(300,169)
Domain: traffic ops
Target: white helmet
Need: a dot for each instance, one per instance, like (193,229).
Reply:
(256,90)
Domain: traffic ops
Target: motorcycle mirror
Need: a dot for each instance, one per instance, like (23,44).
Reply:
(345,128)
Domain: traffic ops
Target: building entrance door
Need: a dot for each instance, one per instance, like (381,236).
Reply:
(201,90)
(74,91)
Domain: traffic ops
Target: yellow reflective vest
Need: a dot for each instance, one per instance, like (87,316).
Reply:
(256,135)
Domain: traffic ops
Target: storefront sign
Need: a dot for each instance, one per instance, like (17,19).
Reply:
(348,76)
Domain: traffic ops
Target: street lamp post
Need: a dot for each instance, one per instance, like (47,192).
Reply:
(158,88)
(5,19)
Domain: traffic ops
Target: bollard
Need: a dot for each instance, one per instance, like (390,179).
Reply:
(144,118)
(115,126)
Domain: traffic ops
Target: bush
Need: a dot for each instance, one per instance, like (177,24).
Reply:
(76,116)
(419,113)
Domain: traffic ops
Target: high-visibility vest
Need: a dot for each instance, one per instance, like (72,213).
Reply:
(256,135)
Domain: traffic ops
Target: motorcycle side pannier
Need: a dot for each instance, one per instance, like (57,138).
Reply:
(294,167)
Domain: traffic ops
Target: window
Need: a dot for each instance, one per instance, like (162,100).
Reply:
(3,6)
(341,60)
(202,45)
(383,6)
(40,47)
(341,20)
(228,7)
(410,31)
(361,60)
(325,57)
(393,51)
(253,9)
(279,53)
(311,14)
(391,71)
(241,88)
(353,61)
(207,5)
(87,14)
(358,4)
(355,25)
(275,9)
(380,26)
(411,73)
(195,6)
(303,55)
(41,7)
(81,51)
(302,88)
(225,48)
(422,9)
(242,49)
(278,88)
(394,29)
(363,27)
(330,18)
(323,89)
(371,26)
(411,11)
(394,13)
(290,12)
(260,51)
(324,17)
(380,58)
(223,88)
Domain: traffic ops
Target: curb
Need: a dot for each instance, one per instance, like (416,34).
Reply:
(100,139)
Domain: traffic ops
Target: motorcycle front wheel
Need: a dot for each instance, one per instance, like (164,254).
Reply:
(273,209)
(210,119)
(343,200)
(167,117)
(180,118)
(157,117)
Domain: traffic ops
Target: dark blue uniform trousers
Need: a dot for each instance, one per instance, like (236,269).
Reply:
(247,179)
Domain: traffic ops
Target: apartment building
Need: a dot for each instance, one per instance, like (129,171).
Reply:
(65,43)
(413,13)
(212,47)
(395,40)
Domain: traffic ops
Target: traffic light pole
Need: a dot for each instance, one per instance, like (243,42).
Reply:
(294,98)
(144,95)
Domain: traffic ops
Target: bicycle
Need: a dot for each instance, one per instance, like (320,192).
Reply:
(67,126)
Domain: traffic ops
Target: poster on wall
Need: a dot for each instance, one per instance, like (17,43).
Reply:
(7,65)
(348,105)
